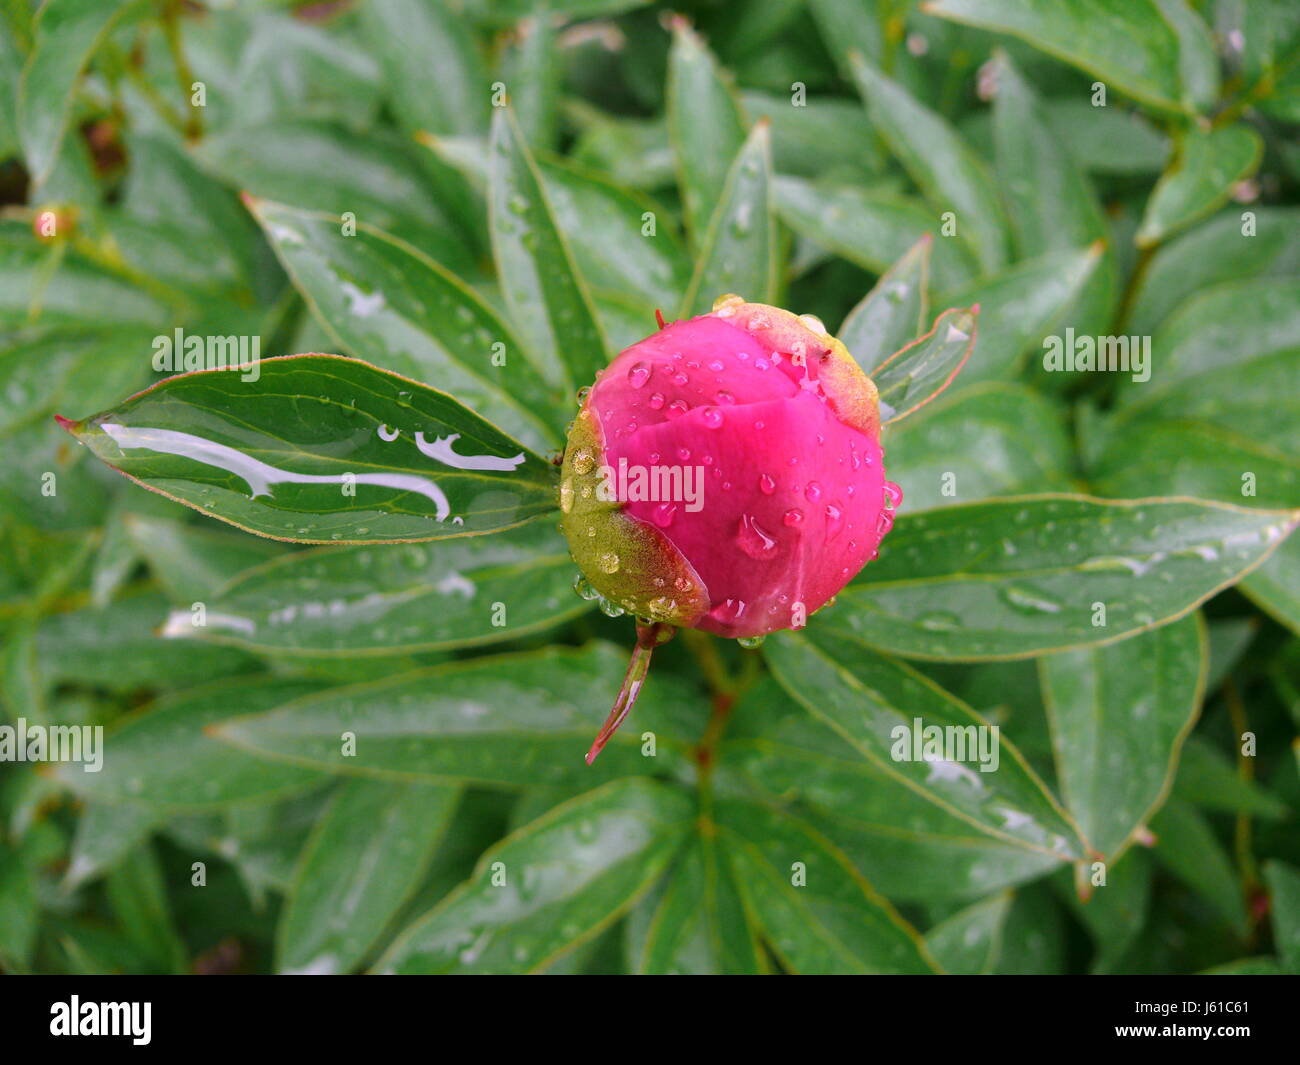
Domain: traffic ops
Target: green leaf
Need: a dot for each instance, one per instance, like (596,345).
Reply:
(67,34)
(119,649)
(1052,205)
(1014,578)
(875,704)
(869,228)
(916,374)
(847,28)
(385,301)
(823,134)
(697,923)
(1127,44)
(705,127)
(1215,252)
(551,886)
(1116,912)
(106,832)
(436,77)
(1187,847)
(546,296)
(1275,586)
(191,562)
(1198,61)
(1200,180)
(531,69)
(320,165)
(1206,778)
(365,858)
(1284,904)
(1119,715)
(893,312)
(1020,305)
(968,943)
(817,912)
(385,601)
(137,895)
(952,177)
(511,721)
(166,757)
(1241,328)
(908,846)
(738,253)
(306,452)
(978,443)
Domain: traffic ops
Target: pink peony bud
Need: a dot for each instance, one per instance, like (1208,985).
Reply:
(726,474)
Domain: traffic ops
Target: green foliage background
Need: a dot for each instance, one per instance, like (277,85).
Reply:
(791,150)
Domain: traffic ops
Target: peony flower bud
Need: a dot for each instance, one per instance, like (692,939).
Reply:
(725,474)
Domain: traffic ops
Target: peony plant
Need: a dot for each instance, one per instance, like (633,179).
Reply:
(926,440)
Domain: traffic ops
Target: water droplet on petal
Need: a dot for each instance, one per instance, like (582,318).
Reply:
(754,540)
(750,642)
(813,491)
(656,401)
(793,516)
(677,408)
(664,513)
(766,484)
(712,417)
(609,562)
(638,375)
(583,461)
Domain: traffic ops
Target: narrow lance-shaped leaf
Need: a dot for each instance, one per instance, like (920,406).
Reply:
(893,312)
(704,125)
(1284,887)
(1014,578)
(387,302)
(910,378)
(364,859)
(166,758)
(952,177)
(788,754)
(874,703)
(739,250)
(1052,205)
(1021,304)
(1201,178)
(510,721)
(1132,48)
(68,32)
(968,943)
(831,920)
(697,922)
(436,78)
(1119,714)
(322,449)
(372,600)
(544,292)
(552,885)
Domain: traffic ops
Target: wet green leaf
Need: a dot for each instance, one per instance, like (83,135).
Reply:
(387,600)
(1187,847)
(739,250)
(915,375)
(385,301)
(1201,178)
(547,298)
(67,34)
(952,177)
(1018,577)
(363,861)
(881,707)
(552,885)
(817,912)
(166,757)
(1284,887)
(705,126)
(320,449)
(978,443)
(696,922)
(513,721)
(1119,715)
(872,229)
(1129,46)
(969,942)
(893,313)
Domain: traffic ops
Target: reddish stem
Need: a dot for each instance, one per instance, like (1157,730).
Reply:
(647,638)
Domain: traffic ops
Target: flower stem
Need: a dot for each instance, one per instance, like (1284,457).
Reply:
(648,637)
